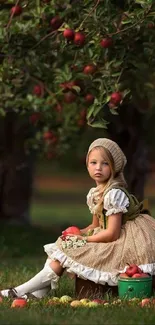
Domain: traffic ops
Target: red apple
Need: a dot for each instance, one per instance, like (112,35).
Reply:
(145,302)
(56,22)
(136,275)
(99,301)
(19,303)
(132,269)
(89,69)
(106,42)
(49,136)
(69,97)
(89,98)
(79,38)
(69,34)
(34,118)
(123,275)
(144,275)
(116,97)
(37,90)
(71,230)
(16,10)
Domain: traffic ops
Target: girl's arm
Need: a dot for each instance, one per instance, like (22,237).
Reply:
(110,234)
(94,224)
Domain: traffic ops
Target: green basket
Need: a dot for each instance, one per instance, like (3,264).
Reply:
(135,288)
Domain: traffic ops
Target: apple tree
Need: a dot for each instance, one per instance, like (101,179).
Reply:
(70,65)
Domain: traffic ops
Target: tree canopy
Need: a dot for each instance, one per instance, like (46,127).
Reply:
(63,62)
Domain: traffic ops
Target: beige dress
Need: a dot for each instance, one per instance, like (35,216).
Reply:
(102,262)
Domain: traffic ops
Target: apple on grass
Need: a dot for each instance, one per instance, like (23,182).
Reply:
(76,303)
(99,301)
(19,303)
(65,299)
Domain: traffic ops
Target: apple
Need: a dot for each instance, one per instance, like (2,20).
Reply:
(116,97)
(145,302)
(79,38)
(18,303)
(76,303)
(140,275)
(106,42)
(132,269)
(99,301)
(151,25)
(37,90)
(56,22)
(89,98)
(65,299)
(71,230)
(69,97)
(35,117)
(16,10)
(84,301)
(136,275)
(69,34)
(92,304)
(54,301)
(144,275)
(124,275)
(89,69)
(49,135)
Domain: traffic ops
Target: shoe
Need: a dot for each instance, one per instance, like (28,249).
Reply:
(11,293)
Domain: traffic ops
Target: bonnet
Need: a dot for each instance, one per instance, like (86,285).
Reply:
(116,152)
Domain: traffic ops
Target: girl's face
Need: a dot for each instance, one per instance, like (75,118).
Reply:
(98,167)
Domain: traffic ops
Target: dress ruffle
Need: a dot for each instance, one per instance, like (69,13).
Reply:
(87,273)
(80,270)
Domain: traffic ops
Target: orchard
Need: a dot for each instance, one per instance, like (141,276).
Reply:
(64,64)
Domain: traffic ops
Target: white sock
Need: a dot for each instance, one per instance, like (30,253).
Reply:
(46,277)
(42,292)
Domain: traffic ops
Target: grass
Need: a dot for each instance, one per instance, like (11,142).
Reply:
(22,256)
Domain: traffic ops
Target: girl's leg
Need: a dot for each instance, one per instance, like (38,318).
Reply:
(48,276)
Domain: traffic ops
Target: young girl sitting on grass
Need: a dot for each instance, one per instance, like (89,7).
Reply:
(120,233)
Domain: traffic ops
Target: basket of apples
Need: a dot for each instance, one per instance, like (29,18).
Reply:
(134,283)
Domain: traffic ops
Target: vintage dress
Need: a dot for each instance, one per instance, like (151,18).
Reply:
(102,262)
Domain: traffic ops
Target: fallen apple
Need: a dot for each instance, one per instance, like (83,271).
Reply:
(76,303)
(65,299)
(99,301)
(18,303)
(92,304)
(145,302)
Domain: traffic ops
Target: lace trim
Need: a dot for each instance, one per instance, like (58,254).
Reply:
(88,273)
(116,210)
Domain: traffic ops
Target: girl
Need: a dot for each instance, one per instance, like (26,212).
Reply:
(120,233)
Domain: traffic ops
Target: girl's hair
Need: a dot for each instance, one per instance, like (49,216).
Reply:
(114,178)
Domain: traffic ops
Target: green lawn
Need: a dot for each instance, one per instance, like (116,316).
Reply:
(22,255)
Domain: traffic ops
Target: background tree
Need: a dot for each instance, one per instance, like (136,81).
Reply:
(68,65)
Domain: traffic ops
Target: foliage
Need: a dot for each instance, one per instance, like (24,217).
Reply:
(63,82)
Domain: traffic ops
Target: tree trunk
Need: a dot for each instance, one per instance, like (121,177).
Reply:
(16,170)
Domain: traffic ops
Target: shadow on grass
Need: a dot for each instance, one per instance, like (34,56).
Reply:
(28,241)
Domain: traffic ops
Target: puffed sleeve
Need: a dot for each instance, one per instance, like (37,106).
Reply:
(90,200)
(116,201)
